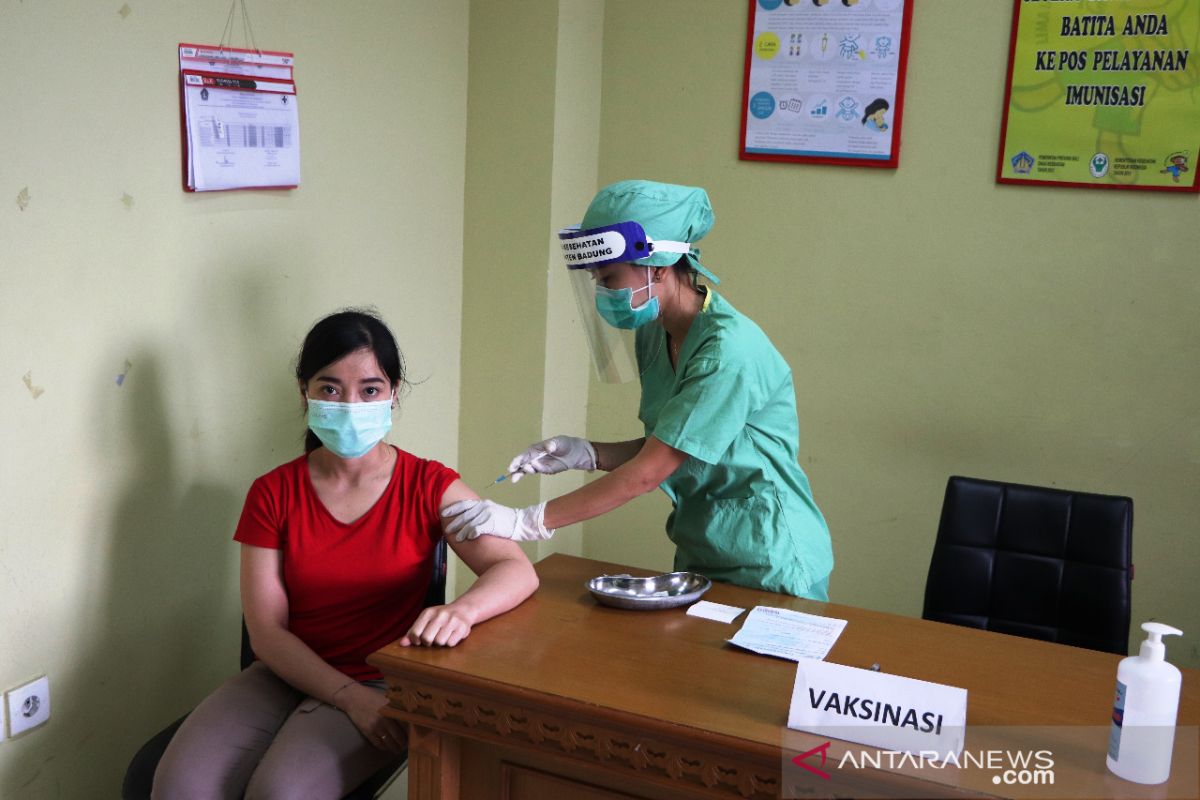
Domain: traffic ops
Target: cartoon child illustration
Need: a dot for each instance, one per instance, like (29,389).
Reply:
(873,114)
(1177,163)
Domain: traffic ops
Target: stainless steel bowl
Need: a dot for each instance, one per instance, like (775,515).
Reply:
(649,594)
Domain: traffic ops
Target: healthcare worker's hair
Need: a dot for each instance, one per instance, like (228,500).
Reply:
(341,334)
(690,275)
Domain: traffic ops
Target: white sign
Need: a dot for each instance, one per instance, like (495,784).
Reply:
(880,710)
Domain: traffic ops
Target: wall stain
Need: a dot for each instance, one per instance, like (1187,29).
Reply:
(23,198)
(123,373)
(35,391)
(127,199)
(125,11)
(37,773)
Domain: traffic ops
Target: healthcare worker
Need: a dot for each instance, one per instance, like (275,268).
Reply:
(718,407)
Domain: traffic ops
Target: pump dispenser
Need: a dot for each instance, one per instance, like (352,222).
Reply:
(1147,700)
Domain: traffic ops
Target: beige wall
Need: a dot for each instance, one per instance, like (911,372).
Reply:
(936,323)
(117,573)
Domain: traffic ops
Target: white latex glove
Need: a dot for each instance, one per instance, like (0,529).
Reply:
(552,456)
(469,519)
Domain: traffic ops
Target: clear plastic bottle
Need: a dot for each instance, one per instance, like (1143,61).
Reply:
(1147,700)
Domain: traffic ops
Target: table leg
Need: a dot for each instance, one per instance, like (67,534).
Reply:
(432,764)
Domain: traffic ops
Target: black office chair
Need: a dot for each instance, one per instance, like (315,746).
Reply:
(139,776)
(1036,562)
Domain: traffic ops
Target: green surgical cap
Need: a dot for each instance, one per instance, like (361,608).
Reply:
(666,211)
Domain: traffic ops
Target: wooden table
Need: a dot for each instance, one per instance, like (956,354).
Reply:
(563,698)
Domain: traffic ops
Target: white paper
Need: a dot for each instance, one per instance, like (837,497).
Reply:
(718,612)
(241,137)
(877,709)
(235,61)
(235,68)
(788,634)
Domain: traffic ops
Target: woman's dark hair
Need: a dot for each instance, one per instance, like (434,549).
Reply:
(693,277)
(341,334)
(878,104)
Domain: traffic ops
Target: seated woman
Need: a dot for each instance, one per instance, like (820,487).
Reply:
(336,553)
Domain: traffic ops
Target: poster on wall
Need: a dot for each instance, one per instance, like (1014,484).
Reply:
(1102,93)
(240,119)
(824,81)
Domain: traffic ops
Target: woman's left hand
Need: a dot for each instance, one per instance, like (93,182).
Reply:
(444,626)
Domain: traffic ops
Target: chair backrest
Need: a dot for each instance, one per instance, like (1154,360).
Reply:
(1032,561)
(436,596)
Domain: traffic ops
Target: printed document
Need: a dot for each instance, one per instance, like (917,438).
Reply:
(241,132)
(240,117)
(788,634)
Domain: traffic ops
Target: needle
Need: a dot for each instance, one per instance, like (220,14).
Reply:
(508,475)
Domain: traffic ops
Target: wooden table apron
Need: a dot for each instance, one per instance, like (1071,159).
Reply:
(658,704)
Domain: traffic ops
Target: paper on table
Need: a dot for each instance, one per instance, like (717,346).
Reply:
(718,612)
(788,634)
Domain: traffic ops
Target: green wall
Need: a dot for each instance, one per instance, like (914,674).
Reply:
(118,576)
(532,148)
(936,323)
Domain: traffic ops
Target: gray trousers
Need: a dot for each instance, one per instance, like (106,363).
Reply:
(257,737)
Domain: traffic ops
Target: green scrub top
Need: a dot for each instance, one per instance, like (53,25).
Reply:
(743,509)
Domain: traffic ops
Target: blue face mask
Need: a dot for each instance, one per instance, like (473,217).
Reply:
(616,307)
(349,430)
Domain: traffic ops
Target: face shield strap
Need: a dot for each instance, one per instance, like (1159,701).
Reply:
(612,244)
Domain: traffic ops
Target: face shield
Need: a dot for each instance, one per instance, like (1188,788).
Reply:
(586,250)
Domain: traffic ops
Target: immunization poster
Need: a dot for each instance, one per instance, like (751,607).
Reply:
(1103,93)
(824,81)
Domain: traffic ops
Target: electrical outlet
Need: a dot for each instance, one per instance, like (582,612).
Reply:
(28,706)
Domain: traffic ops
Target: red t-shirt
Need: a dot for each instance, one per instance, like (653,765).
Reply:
(352,588)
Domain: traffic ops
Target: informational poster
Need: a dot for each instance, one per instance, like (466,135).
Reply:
(1103,93)
(241,124)
(824,81)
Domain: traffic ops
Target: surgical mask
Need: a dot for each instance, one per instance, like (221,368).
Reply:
(616,307)
(349,430)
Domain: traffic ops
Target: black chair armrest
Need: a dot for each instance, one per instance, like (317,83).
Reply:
(139,776)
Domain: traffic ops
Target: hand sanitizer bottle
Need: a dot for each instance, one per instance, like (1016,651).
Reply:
(1143,722)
